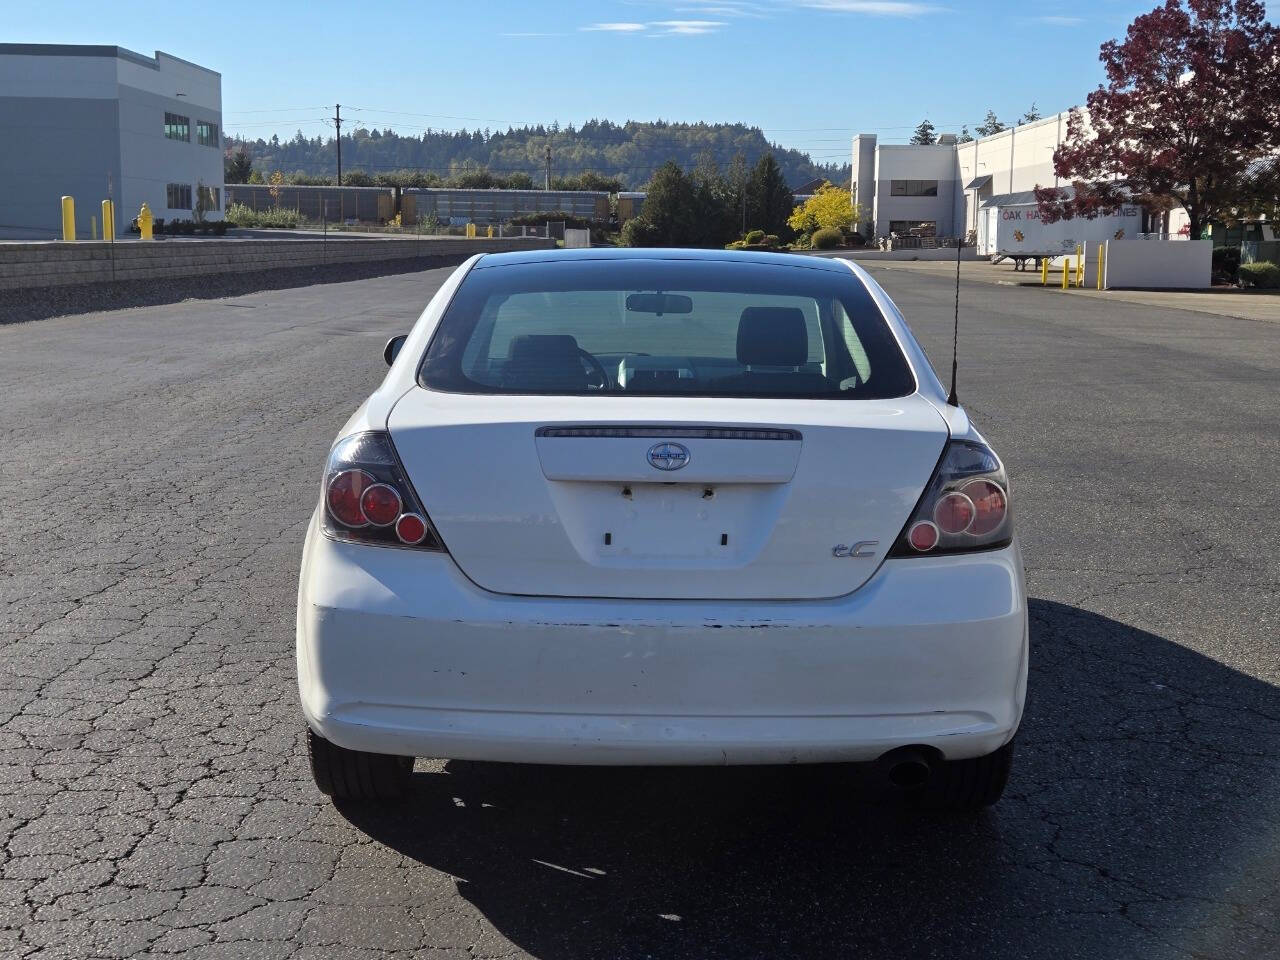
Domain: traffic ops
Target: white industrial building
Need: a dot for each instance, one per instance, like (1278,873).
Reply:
(948,189)
(99,122)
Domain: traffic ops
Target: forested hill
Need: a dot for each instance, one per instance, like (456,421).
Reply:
(630,152)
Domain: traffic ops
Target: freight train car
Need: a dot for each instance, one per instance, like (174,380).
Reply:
(630,205)
(445,204)
(457,206)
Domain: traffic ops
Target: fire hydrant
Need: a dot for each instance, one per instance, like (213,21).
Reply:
(144,221)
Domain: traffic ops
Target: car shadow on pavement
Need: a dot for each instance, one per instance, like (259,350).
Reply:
(1140,821)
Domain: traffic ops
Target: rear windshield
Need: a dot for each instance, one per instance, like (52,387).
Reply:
(665,327)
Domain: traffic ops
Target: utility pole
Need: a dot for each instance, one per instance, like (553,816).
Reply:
(547,178)
(337,127)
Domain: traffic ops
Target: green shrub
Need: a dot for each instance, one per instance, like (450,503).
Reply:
(241,216)
(278,218)
(1265,275)
(640,233)
(754,236)
(827,239)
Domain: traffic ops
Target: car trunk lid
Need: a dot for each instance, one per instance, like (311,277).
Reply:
(680,498)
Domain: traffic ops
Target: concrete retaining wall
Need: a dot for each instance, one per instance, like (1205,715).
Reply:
(57,264)
(1155,264)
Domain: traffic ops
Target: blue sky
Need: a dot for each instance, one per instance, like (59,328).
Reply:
(809,72)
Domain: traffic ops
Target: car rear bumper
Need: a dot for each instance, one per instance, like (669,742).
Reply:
(398,652)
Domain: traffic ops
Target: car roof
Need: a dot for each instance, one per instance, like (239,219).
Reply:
(661,253)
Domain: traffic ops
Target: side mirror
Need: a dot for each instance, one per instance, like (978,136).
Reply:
(392,349)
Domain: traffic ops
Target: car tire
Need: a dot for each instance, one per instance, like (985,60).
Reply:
(354,774)
(967,785)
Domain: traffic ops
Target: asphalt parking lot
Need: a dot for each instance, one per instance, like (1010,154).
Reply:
(159,467)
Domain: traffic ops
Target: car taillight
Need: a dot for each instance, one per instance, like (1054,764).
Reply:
(965,506)
(368,498)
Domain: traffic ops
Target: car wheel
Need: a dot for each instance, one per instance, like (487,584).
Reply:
(354,774)
(968,784)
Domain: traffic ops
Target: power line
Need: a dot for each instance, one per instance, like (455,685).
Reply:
(279,110)
(309,121)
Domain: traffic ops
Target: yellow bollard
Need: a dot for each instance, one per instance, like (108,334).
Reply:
(1066,271)
(471,231)
(1044,272)
(93,228)
(1102,263)
(144,221)
(68,219)
(490,234)
(108,220)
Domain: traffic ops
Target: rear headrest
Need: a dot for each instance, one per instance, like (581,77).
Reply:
(541,346)
(772,337)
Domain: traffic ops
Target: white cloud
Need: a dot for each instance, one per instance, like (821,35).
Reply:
(726,8)
(660,28)
(616,27)
(729,10)
(689,27)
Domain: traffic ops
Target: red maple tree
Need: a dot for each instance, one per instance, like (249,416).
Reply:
(1190,108)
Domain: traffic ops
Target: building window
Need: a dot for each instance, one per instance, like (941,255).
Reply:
(913,188)
(178,196)
(206,133)
(177,127)
(212,199)
(914,228)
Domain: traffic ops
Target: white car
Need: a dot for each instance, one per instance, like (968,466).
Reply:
(662,507)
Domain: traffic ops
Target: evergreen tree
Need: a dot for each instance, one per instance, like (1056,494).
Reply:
(924,135)
(992,125)
(1031,116)
(237,167)
(670,209)
(717,204)
(737,177)
(769,199)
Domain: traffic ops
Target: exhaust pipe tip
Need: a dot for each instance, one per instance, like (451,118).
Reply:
(907,768)
(910,774)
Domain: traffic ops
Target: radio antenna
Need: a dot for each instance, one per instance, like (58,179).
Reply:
(955,332)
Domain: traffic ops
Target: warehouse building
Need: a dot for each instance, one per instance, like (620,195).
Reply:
(942,189)
(949,188)
(99,122)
